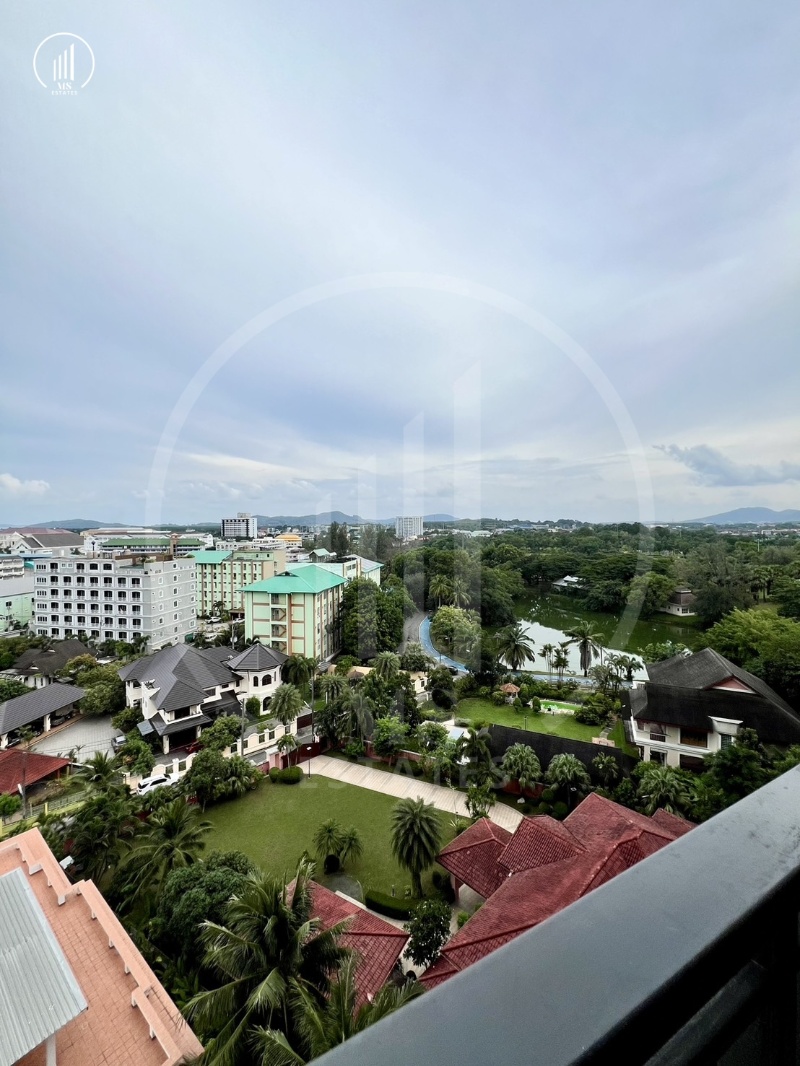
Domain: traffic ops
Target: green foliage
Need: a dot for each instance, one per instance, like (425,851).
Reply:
(521,764)
(514,646)
(253,707)
(212,778)
(286,704)
(415,838)
(290,775)
(605,769)
(765,644)
(136,755)
(431,735)
(388,737)
(127,719)
(354,750)
(567,772)
(479,800)
(415,659)
(455,630)
(223,733)
(462,919)
(10,688)
(429,930)
(9,804)
(373,617)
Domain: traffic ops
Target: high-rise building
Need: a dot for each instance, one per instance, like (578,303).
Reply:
(116,599)
(243,527)
(16,592)
(407,527)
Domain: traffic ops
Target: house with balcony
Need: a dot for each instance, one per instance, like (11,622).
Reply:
(297,612)
(38,667)
(260,671)
(680,604)
(692,706)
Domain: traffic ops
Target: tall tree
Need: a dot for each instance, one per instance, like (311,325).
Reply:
(415,838)
(267,946)
(172,838)
(521,764)
(286,703)
(515,646)
(587,641)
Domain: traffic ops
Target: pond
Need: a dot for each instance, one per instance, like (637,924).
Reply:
(546,618)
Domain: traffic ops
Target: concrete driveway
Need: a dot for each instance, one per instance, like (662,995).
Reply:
(86,735)
(445,799)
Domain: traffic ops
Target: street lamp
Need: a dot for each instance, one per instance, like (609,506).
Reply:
(310,751)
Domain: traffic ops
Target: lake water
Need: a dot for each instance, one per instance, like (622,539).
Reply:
(546,618)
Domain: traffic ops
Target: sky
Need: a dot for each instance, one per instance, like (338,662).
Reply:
(517,259)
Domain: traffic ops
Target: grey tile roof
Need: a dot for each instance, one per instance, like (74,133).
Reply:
(180,673)
(50,661)
(23,710)
(257,657)
(164,728)
(707,668)
(38,991)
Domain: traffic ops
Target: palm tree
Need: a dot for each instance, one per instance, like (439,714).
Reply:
(328,838)
(361,712)
(173,837)
(351,846)
(606,768)
(100,772)
(546,651)
(298,670)
(440,588)
(514,645)
(567,772)
(560,662)
(587,642)
(100,831)
(287,744)
(332,686)
(322,1026)
(416,838)
(605,678)
(473,745)
(521,764)
(286,703)
(386,665)
(627,665)
(268,946)
(663,786)
(459,593)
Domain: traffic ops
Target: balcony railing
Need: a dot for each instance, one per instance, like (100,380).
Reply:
(690,957)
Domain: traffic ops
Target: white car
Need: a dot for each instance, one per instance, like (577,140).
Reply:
(148,784)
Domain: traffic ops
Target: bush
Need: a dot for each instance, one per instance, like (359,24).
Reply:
(462,919)
(548,795)
(444,698)
(354,750)
(290,776)
(127,719)
(560,810)
(9,805)
(464,723)
(417,769)
(545,808)
(528,808)
(390,906)
(498,698)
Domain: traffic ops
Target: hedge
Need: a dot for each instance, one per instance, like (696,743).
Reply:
(391,906)
(290,776)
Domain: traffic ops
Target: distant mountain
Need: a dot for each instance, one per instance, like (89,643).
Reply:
(79,524)
(750,516)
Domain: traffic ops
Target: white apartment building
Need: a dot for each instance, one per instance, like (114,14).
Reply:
(243,527)
(408,527)
(16,592)
(116,599)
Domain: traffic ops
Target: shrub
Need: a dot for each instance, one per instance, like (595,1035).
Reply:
(462,919)
(354,750)
(560,810)
(484,692)
(548,795)
(390,906)
(545,808)
(290,776)
(498,698)
(528,808)
(462,722)
(127,719)
(444,698)
(417,769)
(9,805)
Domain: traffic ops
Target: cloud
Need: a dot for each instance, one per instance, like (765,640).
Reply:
(714,468)
(14,487)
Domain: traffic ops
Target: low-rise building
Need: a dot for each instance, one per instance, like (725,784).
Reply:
(692,706)
(297,612)
(52,543)
(680,603)
(350,567)
(38,667)
(74,988)
(117,599)
(38,710)
(221,576)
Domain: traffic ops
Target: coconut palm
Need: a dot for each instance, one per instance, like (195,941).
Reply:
(440,588)
(546,651)
(322,1026)
(101,830)
(663,786)
(287,744)
(298,669)
(587,642)
(605,678)
(416,838)
(560,662)
(627,665)
(386,665)
(173,837)
(351,845)
(268,947)
(361,714)
(459,592)
(286,703)
(328,838)
(100,772)
(521,764)
(568,772)
(514,645)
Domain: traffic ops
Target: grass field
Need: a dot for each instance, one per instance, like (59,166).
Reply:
(561,725)
(617,734)
(275,824)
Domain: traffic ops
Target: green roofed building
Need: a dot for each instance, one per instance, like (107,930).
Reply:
(221,576)
(296,613)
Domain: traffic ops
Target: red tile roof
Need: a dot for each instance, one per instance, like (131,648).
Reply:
(537,842)
(16,766)
(549,865)
(378,943)
(473,856)
(679,826)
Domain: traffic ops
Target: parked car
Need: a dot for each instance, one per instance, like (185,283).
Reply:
(118,742)
(148,784)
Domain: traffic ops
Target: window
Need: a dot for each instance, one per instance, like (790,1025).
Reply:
(108,595)
(267,679)
(80,594)
(725,740)
(123,635)
(80,566)
(694,738)
(94,580)
(136,622)
(659,757)
(108,580)
(92,566)
(53,617)
(108,566)
(67,617)
(109,634)
(95,632)
(95,621)
(136,581)
(121,581)
(122,608)
(67,606)
(82,618)
(136,609)
(121,595)
(41,580)
(54,631)
(255,682)
(95,595)
(136,595)
(174,603)
(80,580)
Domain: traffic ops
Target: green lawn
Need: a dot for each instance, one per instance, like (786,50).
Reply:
(562,725)
(617,734)
(275,824)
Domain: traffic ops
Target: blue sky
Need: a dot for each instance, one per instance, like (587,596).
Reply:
(628,172)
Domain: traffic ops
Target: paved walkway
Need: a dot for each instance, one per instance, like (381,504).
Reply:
(85,735)
(400,785)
